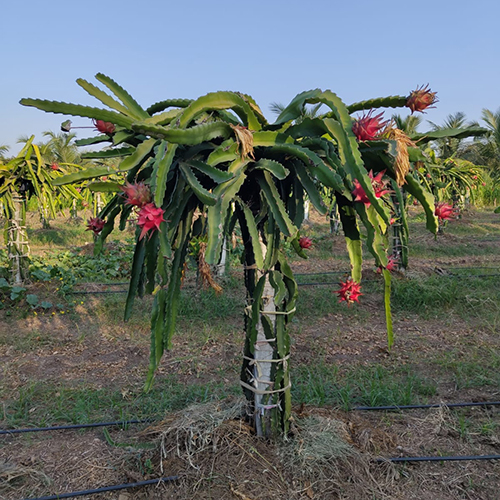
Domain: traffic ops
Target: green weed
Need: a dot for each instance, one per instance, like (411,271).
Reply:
(67,236)
(206,305)
(435,295)
(480,368)
(366,386)
(43,404)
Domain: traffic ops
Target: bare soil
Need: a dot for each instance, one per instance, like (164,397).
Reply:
(82,349)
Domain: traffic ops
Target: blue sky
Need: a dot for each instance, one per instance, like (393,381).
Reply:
(270,49)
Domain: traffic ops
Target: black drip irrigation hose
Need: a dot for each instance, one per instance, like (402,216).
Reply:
(106,488)
(414,407)
(321,274)
(451,458)
(328,273)
(123,423)
(478,267)
(85,292)
(76,426)
(473,275)
(325,283)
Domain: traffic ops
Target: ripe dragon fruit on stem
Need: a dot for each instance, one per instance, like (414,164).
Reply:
(392,265)
(421,98)
(96,225)
(444,211)
(379,186)
(368,127)
(137,194)
(150,218)
(349,292)
(104,127)
(305,242)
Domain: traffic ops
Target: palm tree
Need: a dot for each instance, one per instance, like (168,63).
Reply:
(3,150)
(490,150)
(448,147)
(307,111)
(455,120)
(61,149)
(408,124)
(484,150)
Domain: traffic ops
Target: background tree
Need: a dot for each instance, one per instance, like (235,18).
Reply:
(408,124)
(311,111)
(489,148)
(3,152)
(451,146)
(61,148)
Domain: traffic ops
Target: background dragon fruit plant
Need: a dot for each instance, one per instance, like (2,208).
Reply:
(22,177)
(446,179)
(196,168)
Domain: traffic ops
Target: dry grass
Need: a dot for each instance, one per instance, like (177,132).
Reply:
(12,476)
(217,447)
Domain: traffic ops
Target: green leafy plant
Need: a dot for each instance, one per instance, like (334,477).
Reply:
(11,293)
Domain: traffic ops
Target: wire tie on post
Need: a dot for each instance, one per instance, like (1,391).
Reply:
(254,361)
(257,391)
(263,408)
(278,312)
(265,382)
(264,341)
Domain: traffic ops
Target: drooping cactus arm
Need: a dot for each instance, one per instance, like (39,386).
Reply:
(190,136)
(396,101)
(78,110)
(352,235)
(168,103)
(426,200)
(220,100)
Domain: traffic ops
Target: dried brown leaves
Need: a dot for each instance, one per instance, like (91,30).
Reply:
(244,138)
(207,279)
(402,163)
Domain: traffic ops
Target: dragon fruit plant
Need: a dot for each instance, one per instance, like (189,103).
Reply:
(446,178)
(25,176)
(195,168)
